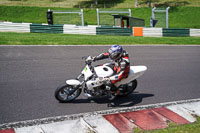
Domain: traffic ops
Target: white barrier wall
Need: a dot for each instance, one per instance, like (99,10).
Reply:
(73,29)
(195,32)
(14,27)
(152,32)
(87,30)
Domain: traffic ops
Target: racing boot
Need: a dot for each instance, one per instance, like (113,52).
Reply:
(88,94)
(113,92)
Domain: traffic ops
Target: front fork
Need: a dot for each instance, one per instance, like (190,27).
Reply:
(79,76)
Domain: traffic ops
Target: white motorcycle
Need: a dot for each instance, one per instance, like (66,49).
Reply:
(92,81)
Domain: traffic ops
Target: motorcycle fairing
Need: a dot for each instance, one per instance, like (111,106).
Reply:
(134,73)
(87,72)
(103,71)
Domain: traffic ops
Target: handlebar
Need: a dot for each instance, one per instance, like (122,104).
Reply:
(84,57)
(89,62)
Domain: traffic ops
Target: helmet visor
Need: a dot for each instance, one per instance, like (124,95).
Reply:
(114,56)
(115,52)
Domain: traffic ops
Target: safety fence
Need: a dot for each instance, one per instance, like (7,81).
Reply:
(151,32)
(38,28)
(195,32)
(14,27)
(165,32)
(176,32)
(95,30)
(113,31)
(73,29)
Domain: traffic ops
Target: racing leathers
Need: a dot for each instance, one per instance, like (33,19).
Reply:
(121,66)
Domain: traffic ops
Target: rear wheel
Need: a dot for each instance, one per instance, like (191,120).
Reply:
(62,93)
(127,89)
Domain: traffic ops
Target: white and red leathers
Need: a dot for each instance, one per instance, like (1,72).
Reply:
(121,66)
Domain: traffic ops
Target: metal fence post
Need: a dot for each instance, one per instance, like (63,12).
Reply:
(98,17)
(82,18)
(129,12)
(167,17)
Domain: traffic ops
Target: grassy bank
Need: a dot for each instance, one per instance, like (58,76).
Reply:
(173,128)
(179,17)
(101,3)
(64,39)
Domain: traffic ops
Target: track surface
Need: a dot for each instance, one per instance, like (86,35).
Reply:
(30,75)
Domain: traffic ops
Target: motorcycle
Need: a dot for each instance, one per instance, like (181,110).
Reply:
(92,81)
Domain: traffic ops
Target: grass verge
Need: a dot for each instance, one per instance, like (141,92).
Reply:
(9,38)
(179,17)
(173,128)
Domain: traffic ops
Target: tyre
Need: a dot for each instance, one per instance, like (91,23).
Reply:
(62,93)
(127,88)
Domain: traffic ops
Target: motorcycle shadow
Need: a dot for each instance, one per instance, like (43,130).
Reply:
(130,100)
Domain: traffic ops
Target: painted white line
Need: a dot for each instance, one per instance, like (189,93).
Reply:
(104,112)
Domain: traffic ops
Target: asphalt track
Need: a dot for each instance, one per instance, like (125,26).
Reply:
(30,75)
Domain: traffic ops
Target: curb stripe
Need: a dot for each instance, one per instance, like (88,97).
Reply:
(87,126)
(103,112)
(120,122)
(149,119)
(7,131)
(100,124)
(146,119)
(185,113)
(171,115)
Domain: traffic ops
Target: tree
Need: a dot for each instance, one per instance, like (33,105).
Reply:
(96,2)
(149,3)
(136,3)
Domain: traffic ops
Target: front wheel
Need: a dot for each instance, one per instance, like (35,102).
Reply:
(62,93)
(128,88)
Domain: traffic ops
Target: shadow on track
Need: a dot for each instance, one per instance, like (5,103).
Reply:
(127,101)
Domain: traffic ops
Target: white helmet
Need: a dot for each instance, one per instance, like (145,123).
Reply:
(115,52)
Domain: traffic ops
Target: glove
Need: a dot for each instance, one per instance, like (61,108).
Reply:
(89,59)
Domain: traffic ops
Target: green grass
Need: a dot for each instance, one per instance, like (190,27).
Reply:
(184,17)
(41,3)
(173,128)
(24,14)
(179,17)
(7,38)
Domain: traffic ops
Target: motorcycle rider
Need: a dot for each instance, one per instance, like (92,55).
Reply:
(121,66)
